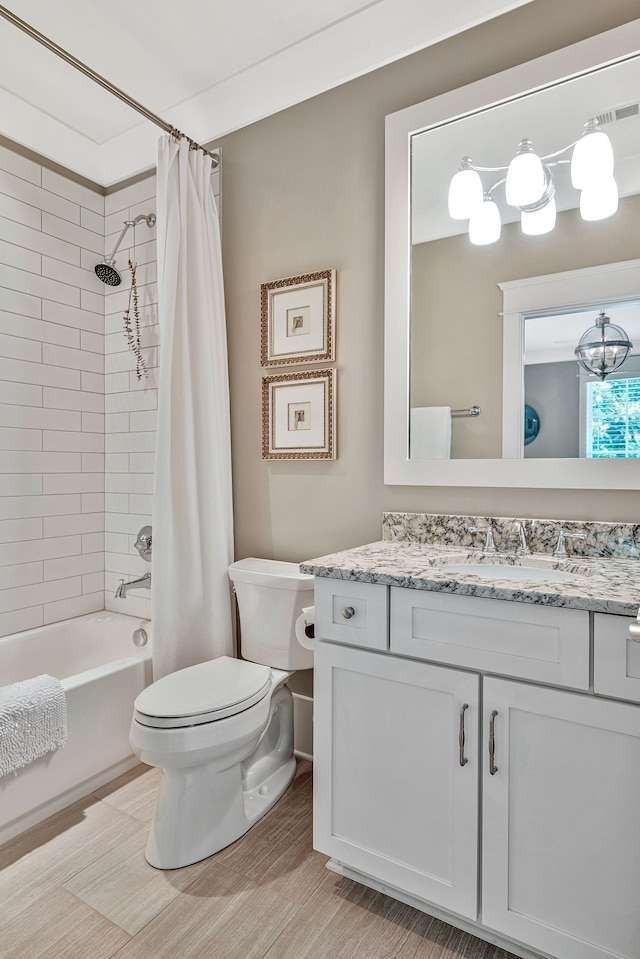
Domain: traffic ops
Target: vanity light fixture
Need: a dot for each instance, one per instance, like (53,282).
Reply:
(603,348)
(484,223)
(465,191)
(525,182)
(530,187)
(592,157)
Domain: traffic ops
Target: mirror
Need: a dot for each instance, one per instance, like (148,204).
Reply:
(455,323)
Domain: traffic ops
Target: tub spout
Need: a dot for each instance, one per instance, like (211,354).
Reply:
(143,582)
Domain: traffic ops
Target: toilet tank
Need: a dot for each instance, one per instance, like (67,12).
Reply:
(270,597)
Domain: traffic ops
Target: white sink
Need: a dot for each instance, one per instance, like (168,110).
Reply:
(503,571)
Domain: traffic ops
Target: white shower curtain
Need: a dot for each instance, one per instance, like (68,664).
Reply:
(192,505)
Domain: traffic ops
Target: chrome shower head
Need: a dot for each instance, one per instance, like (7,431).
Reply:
(108,274)
(106,271)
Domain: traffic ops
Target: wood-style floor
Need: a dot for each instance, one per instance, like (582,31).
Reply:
(77,886)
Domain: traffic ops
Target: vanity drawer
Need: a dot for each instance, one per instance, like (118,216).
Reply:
(616,669)
(352,613)
(542,643)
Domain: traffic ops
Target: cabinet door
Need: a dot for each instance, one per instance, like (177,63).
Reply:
(616,658)
(561,844)
(395,794)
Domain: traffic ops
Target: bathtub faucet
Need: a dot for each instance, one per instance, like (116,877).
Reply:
(143,582)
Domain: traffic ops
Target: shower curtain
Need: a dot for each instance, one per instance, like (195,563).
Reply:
(192,505)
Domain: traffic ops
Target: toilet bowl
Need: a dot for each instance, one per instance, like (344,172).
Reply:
(222,731)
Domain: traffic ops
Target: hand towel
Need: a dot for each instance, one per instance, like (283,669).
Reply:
(430,433)
(33,721)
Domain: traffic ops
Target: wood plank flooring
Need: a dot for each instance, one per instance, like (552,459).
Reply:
(77,886)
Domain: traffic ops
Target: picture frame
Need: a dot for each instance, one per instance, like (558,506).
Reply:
(298,319)
(298,415)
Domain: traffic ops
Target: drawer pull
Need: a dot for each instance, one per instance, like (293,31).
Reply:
(493,769)
(463,758)
(348,612)
(634,632)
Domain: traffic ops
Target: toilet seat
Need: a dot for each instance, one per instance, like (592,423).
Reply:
(202,694)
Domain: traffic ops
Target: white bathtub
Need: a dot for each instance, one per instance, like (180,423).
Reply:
(102,672)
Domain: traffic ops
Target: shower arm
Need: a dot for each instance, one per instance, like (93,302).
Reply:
(150,219)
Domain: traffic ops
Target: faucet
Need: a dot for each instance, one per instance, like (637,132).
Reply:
(143,582)
(560,551)
(489,546)
(523,548)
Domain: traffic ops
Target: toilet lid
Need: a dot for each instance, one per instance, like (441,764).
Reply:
(221,687)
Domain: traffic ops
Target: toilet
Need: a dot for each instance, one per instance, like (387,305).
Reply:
(222,731)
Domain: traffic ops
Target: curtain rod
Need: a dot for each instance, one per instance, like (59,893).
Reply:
(109,87)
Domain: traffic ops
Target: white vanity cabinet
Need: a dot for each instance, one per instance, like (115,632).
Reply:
(396,772)
(616,658)
(552,785)
(561,844)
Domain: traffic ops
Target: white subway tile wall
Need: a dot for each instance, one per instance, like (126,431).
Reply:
(125,396)
(77,427)
(49,422)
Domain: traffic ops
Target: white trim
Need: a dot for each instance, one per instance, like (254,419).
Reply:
(583,57)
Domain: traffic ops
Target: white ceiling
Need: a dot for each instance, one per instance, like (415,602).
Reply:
(205,66)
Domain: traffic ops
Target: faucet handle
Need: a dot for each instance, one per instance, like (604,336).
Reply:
(489,546)
(560,551)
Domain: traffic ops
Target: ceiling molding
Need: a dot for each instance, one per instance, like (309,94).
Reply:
(66,129)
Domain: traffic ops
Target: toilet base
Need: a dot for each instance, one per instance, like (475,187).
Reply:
(202,809)
(259,800)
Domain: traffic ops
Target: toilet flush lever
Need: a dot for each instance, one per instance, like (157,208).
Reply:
(348,612)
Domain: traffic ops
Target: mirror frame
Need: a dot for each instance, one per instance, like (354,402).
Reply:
(580,58)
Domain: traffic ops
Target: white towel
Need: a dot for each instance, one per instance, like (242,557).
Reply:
(33,721)
(430,436)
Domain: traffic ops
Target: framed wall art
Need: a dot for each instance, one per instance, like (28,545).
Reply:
(298,319)
(298,416)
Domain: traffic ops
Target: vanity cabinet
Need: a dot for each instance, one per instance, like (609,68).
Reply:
(549,778)
(396,772)
(561,853)
(616,658)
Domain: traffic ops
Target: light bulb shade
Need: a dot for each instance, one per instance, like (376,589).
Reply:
(465,194)
(599,199)
(485,225)
(539,221)
(526,181)
(592,159)
(603,348)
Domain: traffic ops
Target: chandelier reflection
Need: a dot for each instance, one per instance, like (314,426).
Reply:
(529,186)
(603,348)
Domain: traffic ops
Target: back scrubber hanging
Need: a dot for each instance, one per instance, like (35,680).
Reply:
(106,271)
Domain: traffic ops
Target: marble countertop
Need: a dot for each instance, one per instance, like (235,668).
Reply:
(600,584)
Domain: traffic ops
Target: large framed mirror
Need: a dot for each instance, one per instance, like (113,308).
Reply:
(484,314)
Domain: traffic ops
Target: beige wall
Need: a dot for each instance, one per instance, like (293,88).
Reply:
(456,304)
(303,190)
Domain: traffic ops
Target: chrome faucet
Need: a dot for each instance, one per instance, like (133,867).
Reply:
(523,548)
(560,551)
(489,546)
(143,582)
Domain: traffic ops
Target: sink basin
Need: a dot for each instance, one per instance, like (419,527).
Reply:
(504,571)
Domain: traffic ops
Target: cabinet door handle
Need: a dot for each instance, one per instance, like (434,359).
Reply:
(493,769)
(348,612)
(463,758)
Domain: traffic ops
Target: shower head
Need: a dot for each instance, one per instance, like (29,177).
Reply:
(108,274)
(106,271)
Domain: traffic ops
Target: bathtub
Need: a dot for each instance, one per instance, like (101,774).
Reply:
(102,672)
